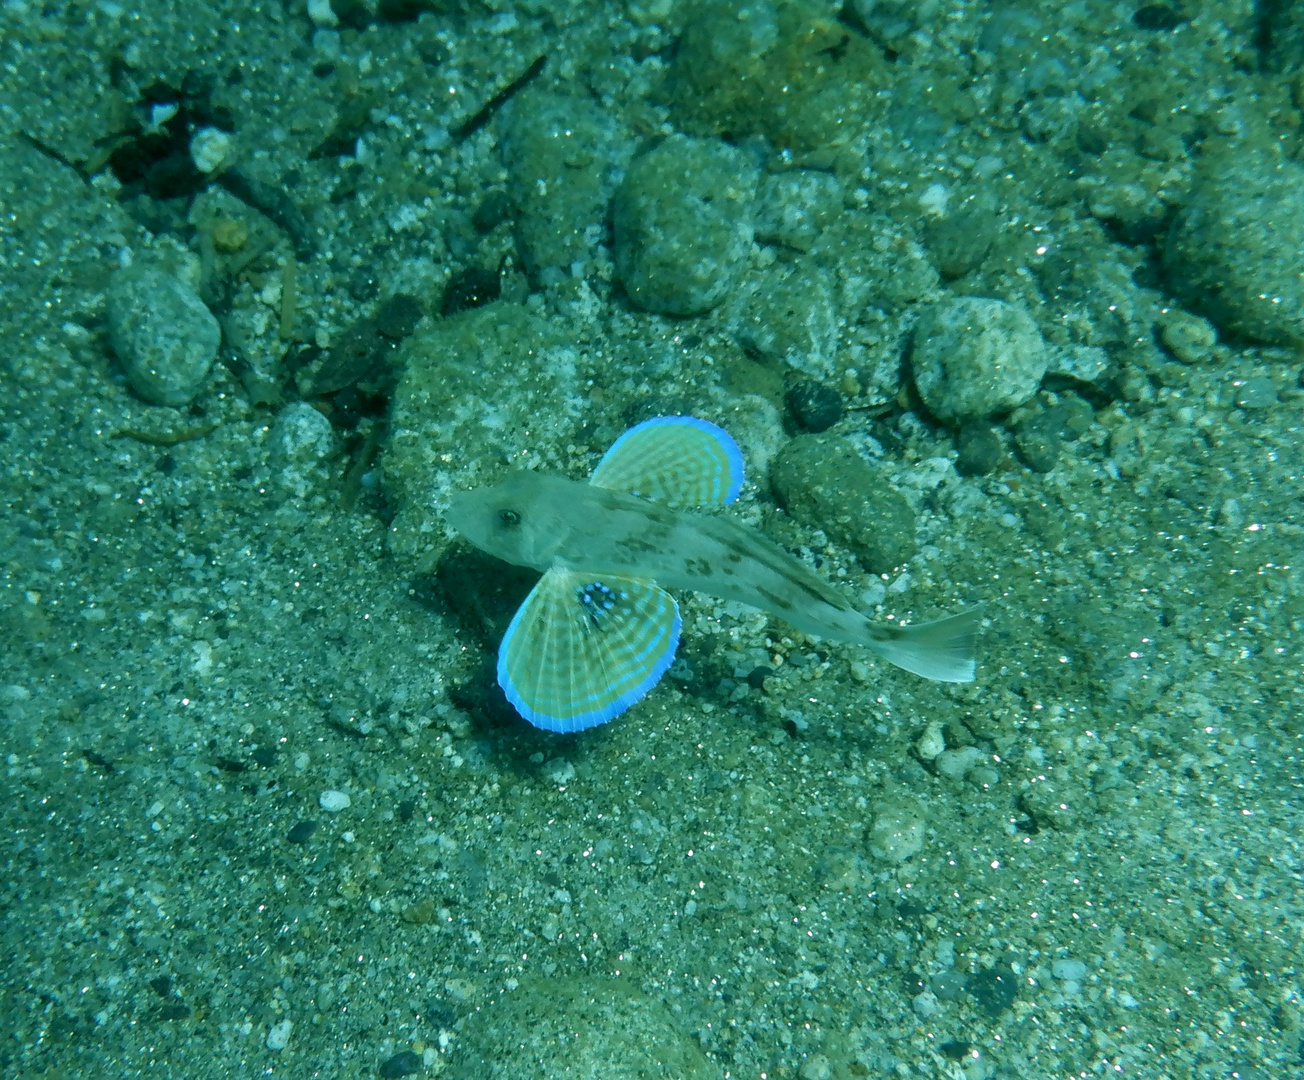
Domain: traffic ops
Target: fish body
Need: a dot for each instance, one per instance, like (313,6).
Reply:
(598,631)
(546,522)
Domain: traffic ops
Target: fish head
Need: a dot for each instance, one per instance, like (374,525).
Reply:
(518,520)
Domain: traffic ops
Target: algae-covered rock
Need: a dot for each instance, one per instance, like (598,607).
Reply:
(821,481)
(791,316)
(975,357)
(491,386)
(793,207)
(563,157)
(586,1029)
(785,69)
(875,263)
(683,224)
(1234,253)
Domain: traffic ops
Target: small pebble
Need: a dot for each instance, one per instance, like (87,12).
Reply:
(814,406)
(898,833)
(334,801)
(1188,337)
(165,337)
(1069,970)
(404,1063)
(301,435)
(932,742)
(322,14)
(278,1037)
(926,1005)
(210,149)
(816,1068)
(953,764)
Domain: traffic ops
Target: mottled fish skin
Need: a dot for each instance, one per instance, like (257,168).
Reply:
(544,521)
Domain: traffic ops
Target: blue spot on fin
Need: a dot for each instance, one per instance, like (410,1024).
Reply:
(677,460)
(582,650)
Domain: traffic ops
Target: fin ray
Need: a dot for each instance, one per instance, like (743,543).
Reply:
(676,460)
(581,651)
(941,650)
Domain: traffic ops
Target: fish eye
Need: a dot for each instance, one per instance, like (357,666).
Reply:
(509,518)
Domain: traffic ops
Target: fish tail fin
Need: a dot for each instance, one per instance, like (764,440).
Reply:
(942,650)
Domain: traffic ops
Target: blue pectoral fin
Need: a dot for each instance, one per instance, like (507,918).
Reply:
(676,460)
(581,651)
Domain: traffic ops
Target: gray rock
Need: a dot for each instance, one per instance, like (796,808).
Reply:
(1234,252)
(683,224)
(1188,337)
(876,264)
(793,207)
(975,358)
(164,336)
(563,158)
(791,316)
(821,481)
(576,1029)
(1084,363)
(960,241)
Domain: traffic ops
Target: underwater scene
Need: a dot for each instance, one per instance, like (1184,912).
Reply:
(652,539)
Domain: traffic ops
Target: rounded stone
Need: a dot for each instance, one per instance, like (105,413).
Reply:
(975,358)
(210,149)
(932,742)
(1188,337)
(563,157)
(682,223)
(791,316)
(1233,254)
(1069,970)
(980,450)
(576,1030)
(334,801)
(823,482)
(163,334)
(814,406)
(898,832)
(302,435)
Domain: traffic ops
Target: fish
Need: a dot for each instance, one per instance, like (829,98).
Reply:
(599,629)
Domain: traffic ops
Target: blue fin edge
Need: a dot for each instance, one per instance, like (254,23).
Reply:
(584,721)
(731,450)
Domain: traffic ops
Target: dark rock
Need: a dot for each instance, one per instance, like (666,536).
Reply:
(302,832)
(994,989)
(980,449)
(405,1063)
(814,406)
(959,242)
(1039,442)
(473,287)
(494,209)
(1158,17)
